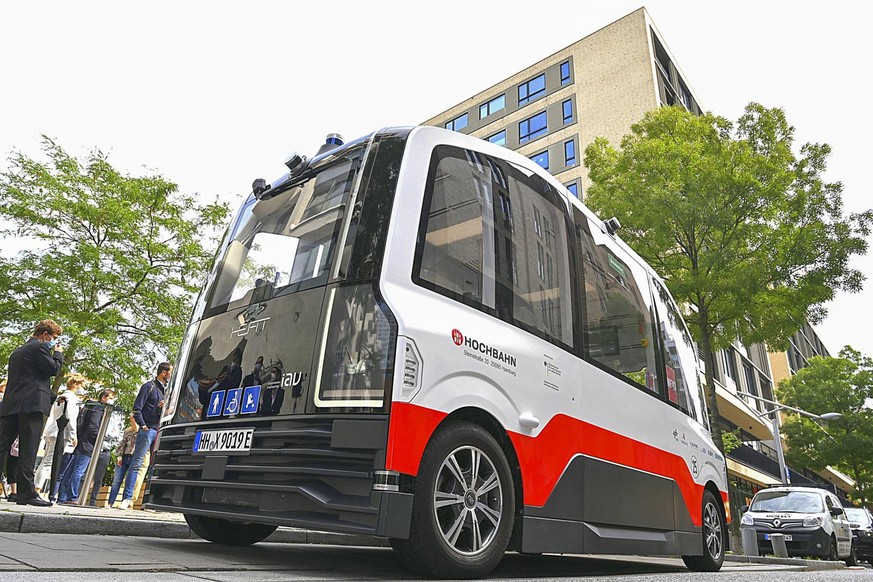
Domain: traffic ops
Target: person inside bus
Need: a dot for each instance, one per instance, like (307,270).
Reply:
(254,378)
(272,393)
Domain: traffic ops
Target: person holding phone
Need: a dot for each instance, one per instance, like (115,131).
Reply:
(28,401)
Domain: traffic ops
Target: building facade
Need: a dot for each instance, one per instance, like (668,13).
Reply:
(598,87)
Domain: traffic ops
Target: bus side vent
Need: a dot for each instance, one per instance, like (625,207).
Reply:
(411,369)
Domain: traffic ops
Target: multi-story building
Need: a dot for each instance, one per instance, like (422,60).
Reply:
(598,87)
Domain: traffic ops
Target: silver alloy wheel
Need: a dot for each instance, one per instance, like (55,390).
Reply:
(468,500)
(712,531)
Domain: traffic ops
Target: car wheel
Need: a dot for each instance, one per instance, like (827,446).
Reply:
(228,533)
(463,508)
(833,556)
(713,537)
(852,560)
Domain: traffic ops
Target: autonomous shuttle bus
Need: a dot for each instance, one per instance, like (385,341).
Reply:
(423,336)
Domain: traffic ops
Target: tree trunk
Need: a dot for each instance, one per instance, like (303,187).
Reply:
(709,362)
(860,489)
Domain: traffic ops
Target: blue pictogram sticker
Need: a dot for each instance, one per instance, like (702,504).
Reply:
(216,402)
(232,404)
(251,397)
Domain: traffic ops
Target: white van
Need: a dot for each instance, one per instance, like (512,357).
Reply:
(812,520)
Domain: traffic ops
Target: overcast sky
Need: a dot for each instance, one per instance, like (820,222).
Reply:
(214,94)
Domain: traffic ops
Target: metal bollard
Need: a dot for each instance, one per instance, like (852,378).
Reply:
(750,541)
(778,541)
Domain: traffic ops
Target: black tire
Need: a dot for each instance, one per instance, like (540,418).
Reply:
(228,533)
(464,506)
(833,555)
(713,537)
(852,560)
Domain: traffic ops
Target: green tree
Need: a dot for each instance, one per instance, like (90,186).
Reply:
(745,232)
(115,259)
(844,385)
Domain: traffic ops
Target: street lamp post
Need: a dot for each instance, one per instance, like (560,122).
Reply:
(777,437)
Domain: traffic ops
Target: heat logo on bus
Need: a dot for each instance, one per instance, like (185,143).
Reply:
(482,348)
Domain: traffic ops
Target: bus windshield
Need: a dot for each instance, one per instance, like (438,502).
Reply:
(285,243)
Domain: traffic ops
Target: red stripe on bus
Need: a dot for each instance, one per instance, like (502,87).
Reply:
(409,430)
(542,459)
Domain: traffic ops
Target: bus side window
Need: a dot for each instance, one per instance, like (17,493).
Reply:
(618,310)
(495,238)
(683,381)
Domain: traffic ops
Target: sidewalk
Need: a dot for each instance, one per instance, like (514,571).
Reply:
(67,519)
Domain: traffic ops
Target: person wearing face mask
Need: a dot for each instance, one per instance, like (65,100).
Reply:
(28,401)
(88,429)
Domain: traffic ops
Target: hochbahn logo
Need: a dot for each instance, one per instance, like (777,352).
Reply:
(481,347)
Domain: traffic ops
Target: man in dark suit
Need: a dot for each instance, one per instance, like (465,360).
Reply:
(28,400)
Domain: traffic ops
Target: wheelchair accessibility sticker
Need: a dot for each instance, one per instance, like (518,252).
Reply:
(232,402)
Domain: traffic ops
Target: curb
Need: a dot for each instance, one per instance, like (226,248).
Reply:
(808,564)
(15,522)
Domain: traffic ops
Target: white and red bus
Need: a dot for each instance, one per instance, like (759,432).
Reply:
(423,336)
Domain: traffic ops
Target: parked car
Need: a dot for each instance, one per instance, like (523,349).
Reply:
(812,520)
(861,522)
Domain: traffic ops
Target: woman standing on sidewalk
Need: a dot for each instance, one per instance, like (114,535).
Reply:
(66,405)
(124,452)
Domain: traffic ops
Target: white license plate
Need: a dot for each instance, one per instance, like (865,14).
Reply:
(234,440)
(786,537)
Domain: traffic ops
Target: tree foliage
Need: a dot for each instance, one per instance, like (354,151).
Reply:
(744,231)
(115,260)
(844,385)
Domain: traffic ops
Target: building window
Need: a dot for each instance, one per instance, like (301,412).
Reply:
(458,123)
(492,106)
(570,153)
(499,138)
(542,159)
(751,381)
(573,187)
(730,364)
(532,127)
(565,73)
(567,108)
(532,89)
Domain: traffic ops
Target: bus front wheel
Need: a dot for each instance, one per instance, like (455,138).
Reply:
(464,506)
(228,533)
